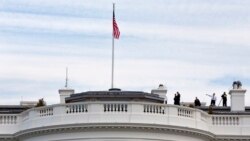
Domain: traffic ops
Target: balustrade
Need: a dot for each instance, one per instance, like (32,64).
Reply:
(76,108)
(143,113)
(156,109)
(185,112)
(46,111)
(115,107)
(8,119)
(225,120)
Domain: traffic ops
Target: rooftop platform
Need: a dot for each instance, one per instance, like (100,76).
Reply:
(114,95)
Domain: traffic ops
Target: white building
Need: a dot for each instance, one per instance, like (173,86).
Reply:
(117,115)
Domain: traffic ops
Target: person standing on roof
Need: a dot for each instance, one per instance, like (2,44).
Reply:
(213,99)
(224,99)
(197,102)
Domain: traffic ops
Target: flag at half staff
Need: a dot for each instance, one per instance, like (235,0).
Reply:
(116,32)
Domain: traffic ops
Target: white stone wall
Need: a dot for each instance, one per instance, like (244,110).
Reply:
(158,120)
(116,135)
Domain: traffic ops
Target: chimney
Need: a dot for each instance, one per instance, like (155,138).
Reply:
(65,92)
(161,91)
(237,97)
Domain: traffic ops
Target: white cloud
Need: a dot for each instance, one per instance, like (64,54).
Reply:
(158,62)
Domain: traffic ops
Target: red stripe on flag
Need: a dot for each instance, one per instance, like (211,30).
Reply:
(116,32)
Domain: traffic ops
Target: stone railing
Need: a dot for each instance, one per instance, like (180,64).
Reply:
(230,120)
(185,112)
(45,111)
(8,119)
(76,108)
(121,112)
(115,107)
(154,109)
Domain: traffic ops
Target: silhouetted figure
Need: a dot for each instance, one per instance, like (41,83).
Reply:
(224,99)
(213,99)
(197,102)
(175,99)
(178,98)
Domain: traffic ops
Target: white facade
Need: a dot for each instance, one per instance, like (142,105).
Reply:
(102,121)
(122,121)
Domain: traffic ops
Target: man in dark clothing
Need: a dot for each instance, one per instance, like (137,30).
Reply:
(197,102)
(177,98)
(224,99)
(178,95)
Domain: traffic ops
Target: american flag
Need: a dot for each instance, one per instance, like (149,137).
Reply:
(116,32)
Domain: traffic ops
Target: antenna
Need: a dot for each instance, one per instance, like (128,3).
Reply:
(66,81)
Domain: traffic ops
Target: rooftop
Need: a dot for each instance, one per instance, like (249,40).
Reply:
(114,95)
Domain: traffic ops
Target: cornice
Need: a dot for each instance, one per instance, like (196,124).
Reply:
(114,126)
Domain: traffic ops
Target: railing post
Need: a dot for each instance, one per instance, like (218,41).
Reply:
(173,111)
(136,108)
(96,108)
(59,110)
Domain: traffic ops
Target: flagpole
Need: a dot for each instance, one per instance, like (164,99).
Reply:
(113,50)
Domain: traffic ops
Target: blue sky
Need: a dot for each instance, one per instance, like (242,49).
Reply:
(191,46)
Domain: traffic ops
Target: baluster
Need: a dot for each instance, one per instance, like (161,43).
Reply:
(105,107)
(11,119)
(77,108)
(115,107)
(70,108)
(108,107)
(80,108)
(74,108)
(4,119)
(126,107)
(122,108)
(8,119)
(119,107)
(15,119)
